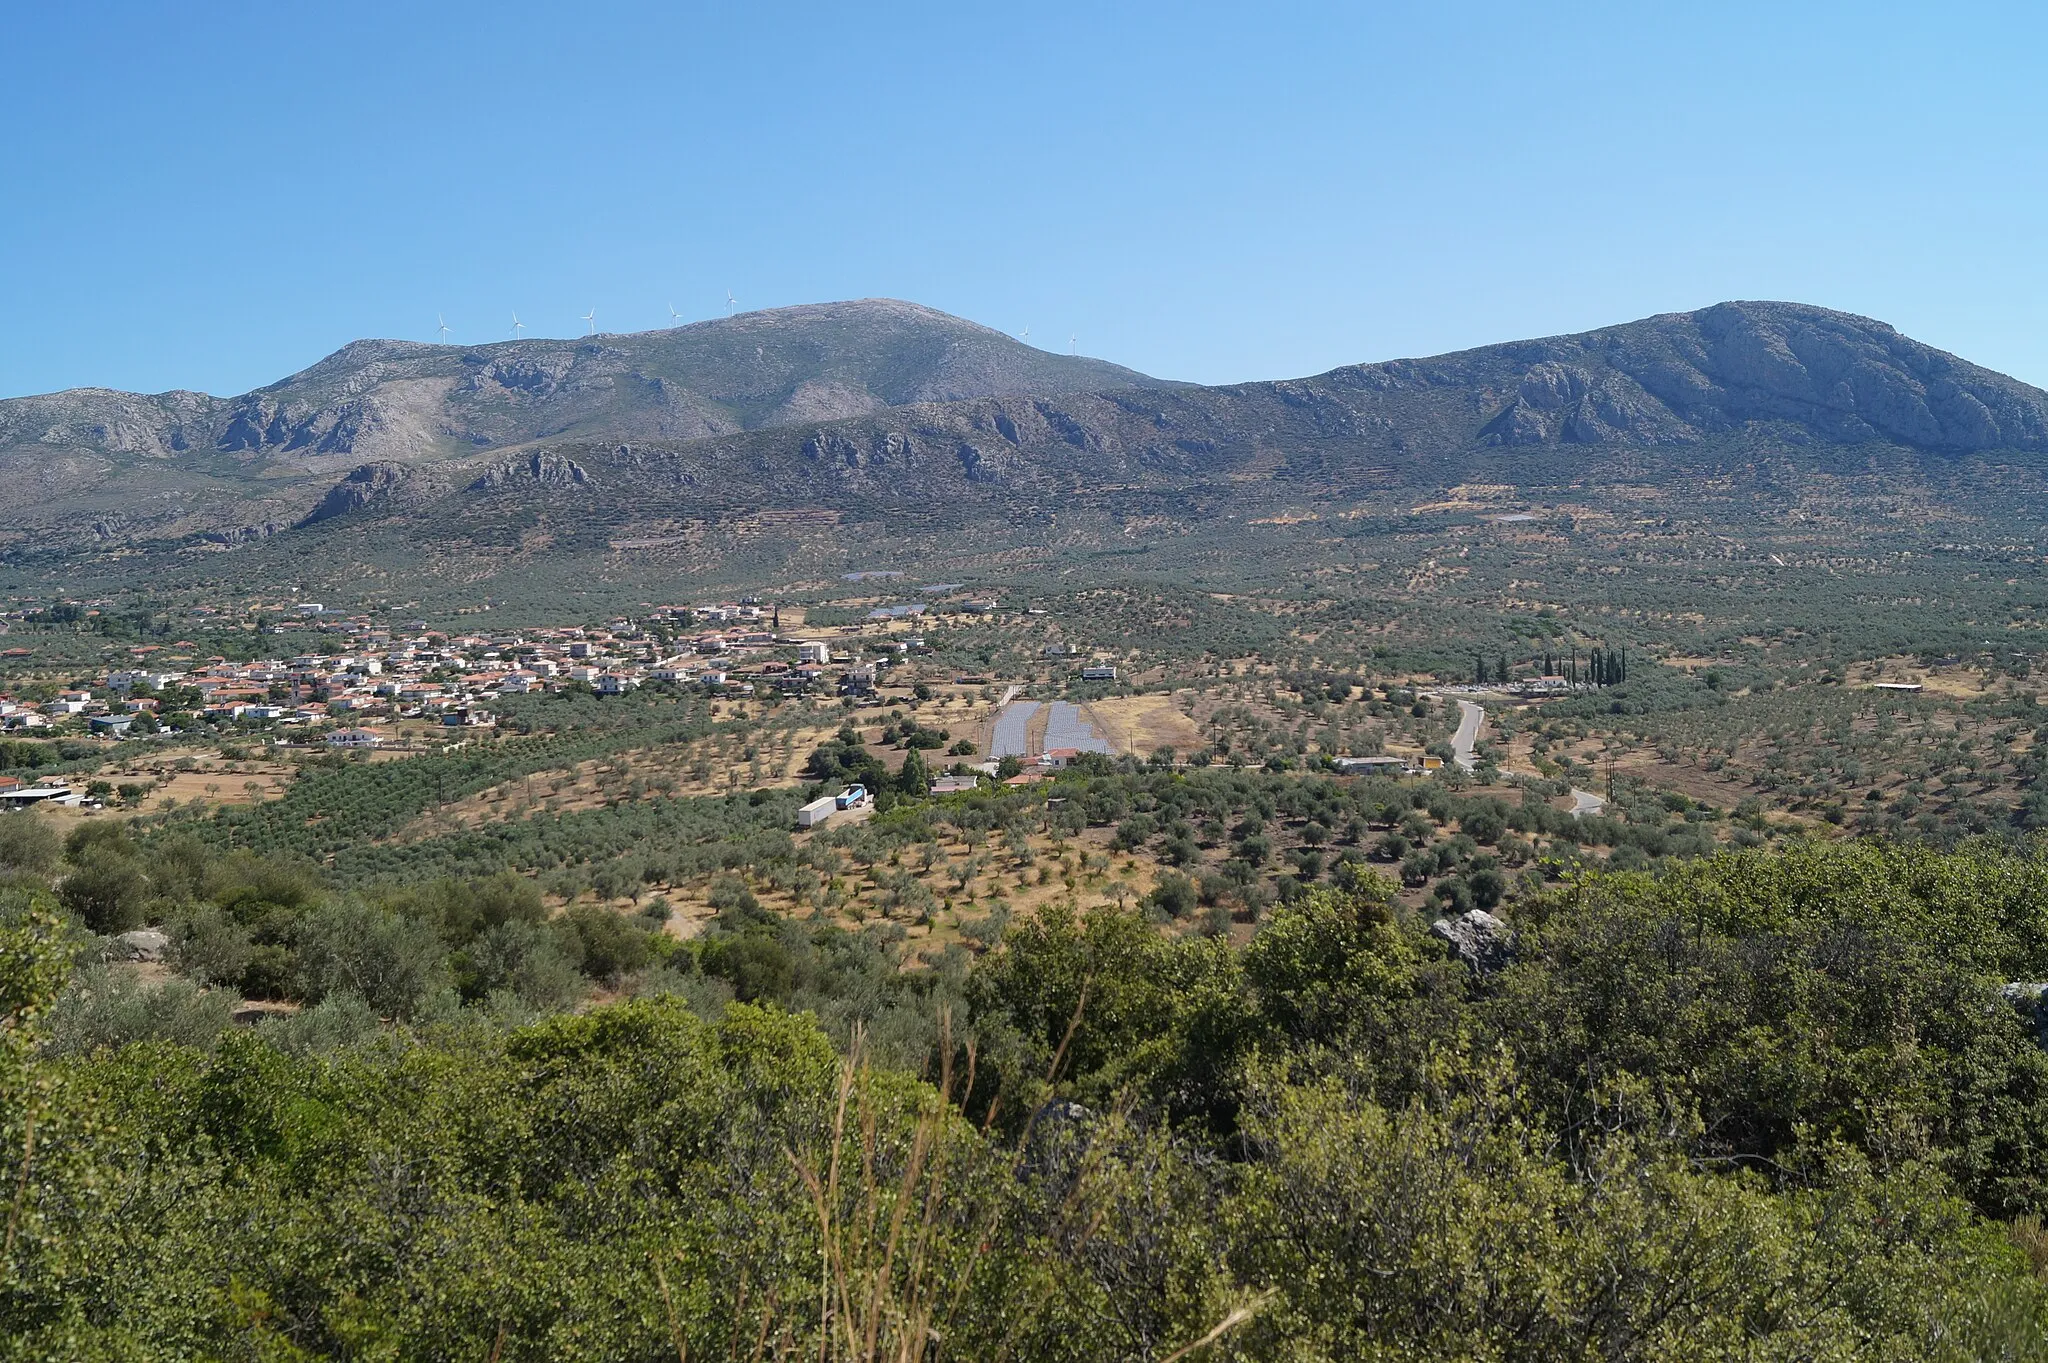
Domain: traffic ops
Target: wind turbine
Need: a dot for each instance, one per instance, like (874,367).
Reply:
(730,303)
(1027,336)
(674,318)
(591,318)
(442,327)
(517,326)
(1073,345)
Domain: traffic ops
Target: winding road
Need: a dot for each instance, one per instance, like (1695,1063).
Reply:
(1465,752)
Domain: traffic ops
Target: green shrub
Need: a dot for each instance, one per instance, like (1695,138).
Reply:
(524,959)
(27,843)
(392,963)
(1174,896)
(111,1005)
(603,944)
(107,891)
(756,966)
(341,1019)
(210,947)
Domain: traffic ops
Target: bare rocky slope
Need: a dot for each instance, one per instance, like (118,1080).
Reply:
(881,405)
(1732,381)
(182,462)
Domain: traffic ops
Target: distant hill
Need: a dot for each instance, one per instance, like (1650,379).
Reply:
(1739,373)
(889,408)
(177,462)
(1730,380)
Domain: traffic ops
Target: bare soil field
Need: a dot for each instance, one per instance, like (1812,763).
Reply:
(1141,725)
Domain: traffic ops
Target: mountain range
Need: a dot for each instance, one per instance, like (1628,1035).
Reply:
(879,404)
(182,462)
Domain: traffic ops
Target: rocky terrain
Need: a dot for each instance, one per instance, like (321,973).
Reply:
(886,407)
(111,465)
(1667,395)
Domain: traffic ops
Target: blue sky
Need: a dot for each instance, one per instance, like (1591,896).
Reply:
(211,196)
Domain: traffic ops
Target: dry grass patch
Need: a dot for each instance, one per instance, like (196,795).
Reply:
(1141,725)
(965,885)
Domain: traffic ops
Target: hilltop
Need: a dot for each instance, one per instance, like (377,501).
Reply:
(1748,375)
(181,462)
(881,412)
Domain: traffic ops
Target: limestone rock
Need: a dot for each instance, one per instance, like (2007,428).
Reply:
(1480,940)
(364,485)
(143,944)
(542,470)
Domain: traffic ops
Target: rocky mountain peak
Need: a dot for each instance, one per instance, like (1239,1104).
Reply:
(1689,376)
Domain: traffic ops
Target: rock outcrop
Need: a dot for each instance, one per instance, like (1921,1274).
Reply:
(1482,941)
(364,486)
(143,944)
(537,470)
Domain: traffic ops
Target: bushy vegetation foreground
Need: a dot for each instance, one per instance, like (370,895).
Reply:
(1768,1105)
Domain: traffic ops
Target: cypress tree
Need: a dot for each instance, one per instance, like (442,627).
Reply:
(914,778)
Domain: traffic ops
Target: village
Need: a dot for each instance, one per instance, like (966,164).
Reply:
(364,687)
(351,684)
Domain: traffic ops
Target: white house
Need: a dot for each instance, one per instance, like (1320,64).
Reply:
(128,681)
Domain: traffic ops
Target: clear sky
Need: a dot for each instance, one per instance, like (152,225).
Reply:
(213,195)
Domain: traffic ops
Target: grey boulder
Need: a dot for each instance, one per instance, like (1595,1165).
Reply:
(1480,940)
(143,944)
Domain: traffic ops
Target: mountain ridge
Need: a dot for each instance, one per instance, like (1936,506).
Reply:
(1739,376)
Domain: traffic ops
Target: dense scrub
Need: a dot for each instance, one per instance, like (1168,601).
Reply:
(1765,1105)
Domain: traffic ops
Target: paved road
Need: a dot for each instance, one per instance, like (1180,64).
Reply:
(1464,743)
